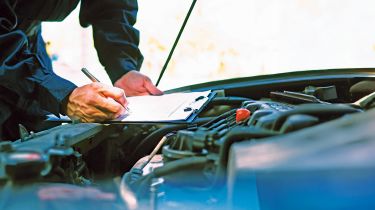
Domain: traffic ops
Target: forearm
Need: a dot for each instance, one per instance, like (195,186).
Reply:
(115,38)
(22,74)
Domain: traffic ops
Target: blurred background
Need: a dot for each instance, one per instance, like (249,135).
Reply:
(228,39)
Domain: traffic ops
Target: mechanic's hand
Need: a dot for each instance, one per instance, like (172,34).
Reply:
(96,102)
(137,84)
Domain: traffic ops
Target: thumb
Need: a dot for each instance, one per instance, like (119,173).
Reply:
(151,88)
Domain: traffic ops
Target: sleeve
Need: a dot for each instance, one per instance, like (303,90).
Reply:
(23,74)
(115,38)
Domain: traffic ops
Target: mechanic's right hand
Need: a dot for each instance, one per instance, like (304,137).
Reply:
(96,102)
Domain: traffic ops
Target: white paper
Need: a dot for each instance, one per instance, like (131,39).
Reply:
(167,107)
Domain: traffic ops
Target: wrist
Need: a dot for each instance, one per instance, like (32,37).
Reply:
(64,104)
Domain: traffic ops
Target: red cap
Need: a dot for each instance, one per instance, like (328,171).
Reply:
(242,114)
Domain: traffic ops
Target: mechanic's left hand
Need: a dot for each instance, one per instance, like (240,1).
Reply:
(136,84)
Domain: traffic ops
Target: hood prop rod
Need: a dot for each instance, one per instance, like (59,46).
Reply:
(176,42)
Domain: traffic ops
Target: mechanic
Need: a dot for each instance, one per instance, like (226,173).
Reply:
(29,89)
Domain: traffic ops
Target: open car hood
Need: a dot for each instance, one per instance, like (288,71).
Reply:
(287,141)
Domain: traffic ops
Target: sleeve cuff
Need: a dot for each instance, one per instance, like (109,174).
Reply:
(120,67)
(53,92)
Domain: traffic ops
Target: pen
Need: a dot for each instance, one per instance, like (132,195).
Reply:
(89,75)
(94,79)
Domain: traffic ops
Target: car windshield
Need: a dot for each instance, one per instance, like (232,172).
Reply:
(231,39)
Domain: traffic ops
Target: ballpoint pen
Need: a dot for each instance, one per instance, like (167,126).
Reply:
(94,79)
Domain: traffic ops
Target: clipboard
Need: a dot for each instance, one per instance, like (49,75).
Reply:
(195,102)
(168,108)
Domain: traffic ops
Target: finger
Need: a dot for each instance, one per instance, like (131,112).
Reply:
(121,109)
(98,117)
(93,114)
(151,88)
(116,93)
(110,107)
(142,93)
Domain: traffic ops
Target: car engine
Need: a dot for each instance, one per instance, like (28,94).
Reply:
(247,149)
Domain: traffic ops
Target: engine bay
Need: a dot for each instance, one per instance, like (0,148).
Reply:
(228,158)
